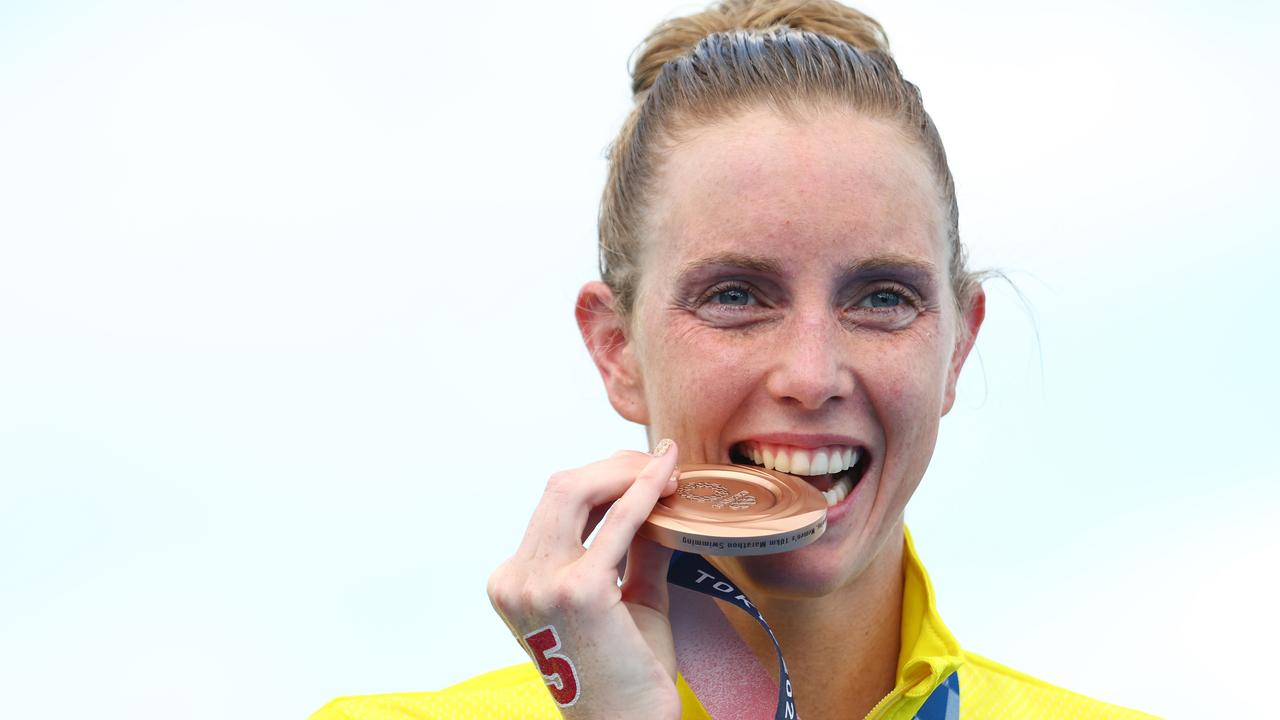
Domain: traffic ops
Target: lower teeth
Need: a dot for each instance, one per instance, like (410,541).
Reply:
(839,491)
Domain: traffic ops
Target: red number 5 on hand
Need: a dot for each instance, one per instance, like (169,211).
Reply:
(557,670)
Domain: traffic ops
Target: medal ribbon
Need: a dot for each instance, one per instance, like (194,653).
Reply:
(693,572)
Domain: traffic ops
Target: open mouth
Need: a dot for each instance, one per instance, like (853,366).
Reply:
(834,470)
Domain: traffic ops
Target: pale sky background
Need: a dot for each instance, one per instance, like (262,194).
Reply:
(287,350)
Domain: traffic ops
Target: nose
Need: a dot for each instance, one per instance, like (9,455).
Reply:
(811,365)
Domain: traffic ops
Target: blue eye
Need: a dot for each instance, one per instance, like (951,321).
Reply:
(882,299)
(733,296)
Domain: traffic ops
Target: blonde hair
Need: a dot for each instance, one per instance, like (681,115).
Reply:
(739,54)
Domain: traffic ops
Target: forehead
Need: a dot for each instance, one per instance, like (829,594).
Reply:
(830,181)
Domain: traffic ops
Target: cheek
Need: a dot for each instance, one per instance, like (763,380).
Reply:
(698,373)
(905,378)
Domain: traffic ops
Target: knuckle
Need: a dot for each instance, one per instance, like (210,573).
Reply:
(561,596)
(623,514)
(500,588)
(646,474)
(545,599)
(561,483)
(570,595)
(566,593)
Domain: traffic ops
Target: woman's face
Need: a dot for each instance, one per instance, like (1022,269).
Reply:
(794,303)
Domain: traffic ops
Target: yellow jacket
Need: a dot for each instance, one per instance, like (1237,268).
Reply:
(929,654)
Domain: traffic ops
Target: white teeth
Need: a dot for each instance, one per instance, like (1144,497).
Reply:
(800,461)
(781,462)
(819,464)
(835,460)
(839,491)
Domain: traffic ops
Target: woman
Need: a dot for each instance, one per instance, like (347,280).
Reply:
(783,284)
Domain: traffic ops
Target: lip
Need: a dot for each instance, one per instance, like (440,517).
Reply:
(807,441)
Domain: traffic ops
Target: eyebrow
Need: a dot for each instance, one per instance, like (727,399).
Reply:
(878,263)
(892,262)
(732,259)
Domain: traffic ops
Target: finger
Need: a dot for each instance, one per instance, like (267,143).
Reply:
(672,484)
(629,512)
(597,513)
(559,522)
(645,582)
(594,516)
(645,591)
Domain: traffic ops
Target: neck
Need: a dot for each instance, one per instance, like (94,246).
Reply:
(841,648)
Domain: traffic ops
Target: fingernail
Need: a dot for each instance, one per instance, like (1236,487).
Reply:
(663,446)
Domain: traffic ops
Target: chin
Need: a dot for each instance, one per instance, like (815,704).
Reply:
(813,571)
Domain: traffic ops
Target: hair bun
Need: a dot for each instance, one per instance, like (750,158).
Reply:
(677,36)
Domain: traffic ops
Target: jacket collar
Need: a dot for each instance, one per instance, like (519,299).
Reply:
(928,652)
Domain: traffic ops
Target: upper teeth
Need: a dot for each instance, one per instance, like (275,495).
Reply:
(801,461)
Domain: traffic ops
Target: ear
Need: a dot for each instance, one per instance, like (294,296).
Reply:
(972,320)
(605,333)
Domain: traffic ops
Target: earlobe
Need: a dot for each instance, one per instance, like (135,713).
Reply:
(605,333)
(972,321)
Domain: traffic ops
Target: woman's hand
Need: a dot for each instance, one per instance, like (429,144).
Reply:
(605,650)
